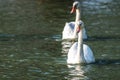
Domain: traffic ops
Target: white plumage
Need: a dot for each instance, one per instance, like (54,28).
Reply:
(68,31)
(87,52)
(79,52)
(69,28)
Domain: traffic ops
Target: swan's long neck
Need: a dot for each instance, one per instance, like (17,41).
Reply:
(80,53)
(76,20)
(78,16)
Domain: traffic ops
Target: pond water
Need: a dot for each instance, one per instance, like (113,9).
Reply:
(30,40)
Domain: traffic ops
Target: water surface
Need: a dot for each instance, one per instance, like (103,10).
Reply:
(30,40)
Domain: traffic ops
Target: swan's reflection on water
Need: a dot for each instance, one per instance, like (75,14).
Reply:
(66,44)
(77,72)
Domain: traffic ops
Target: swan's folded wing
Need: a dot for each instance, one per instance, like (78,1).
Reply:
(88,54)
(68,30)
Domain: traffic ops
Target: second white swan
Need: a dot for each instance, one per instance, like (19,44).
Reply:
(79,52)
(68,31)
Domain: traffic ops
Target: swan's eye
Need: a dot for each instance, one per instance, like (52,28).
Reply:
(76,6)
(80,24)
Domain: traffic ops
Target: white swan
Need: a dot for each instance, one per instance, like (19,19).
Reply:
(68,31)
(79,52)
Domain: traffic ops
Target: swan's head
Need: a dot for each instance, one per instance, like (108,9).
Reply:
(80,26)
(76,5)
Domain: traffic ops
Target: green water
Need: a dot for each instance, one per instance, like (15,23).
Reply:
(30,40)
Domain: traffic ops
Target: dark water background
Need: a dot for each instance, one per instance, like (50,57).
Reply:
(30,40)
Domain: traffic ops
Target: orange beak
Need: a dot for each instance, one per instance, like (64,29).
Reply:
(78,29)
(73,10)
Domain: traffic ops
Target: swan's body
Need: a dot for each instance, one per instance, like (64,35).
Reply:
(79,52)
(87,54)
(68,31)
